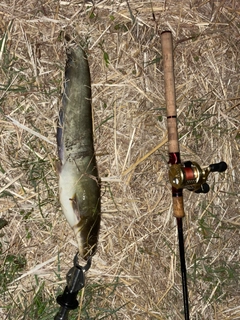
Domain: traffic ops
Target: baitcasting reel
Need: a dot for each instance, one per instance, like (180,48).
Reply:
(191,176)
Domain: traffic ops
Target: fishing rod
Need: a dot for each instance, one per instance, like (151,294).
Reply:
(188,175)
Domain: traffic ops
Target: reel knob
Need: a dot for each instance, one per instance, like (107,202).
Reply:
(218,167)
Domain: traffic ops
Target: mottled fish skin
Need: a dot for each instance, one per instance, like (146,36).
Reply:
(79,186)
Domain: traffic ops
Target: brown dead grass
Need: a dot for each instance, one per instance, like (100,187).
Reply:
(138,241)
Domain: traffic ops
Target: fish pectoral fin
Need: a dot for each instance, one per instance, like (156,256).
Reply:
(58,166)
(75,207)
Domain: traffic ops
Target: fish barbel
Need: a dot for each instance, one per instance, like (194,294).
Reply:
(79,185)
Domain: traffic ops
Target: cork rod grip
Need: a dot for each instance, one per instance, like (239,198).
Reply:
(168,69)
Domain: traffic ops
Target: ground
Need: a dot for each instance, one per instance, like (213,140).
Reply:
(136,271)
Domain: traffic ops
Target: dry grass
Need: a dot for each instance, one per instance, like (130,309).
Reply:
(136,269)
